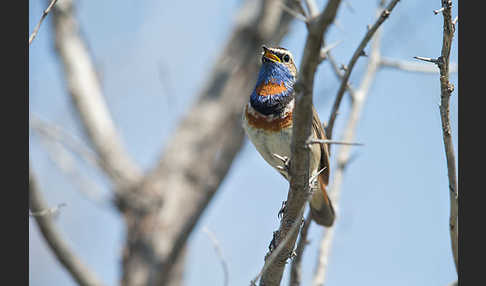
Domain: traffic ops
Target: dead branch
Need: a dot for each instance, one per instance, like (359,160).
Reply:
(79,271)
(343,155)
(329,142)
(302,118)
(296,267)
(44,15)
(446,89)
(413,66)
(383,16)
(86,94)
(219,252)
(56,133)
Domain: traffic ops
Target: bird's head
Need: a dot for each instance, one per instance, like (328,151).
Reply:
(279,58)
(275,84)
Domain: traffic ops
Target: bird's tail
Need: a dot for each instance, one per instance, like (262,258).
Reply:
(321,207)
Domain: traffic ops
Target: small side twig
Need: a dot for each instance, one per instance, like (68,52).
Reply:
(413,66)
(80,272)
(293,12)
(54,211)
(321,141)
(438,11)
(430,60)
(44,15)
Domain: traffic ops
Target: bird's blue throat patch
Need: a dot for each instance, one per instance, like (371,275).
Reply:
(274,88)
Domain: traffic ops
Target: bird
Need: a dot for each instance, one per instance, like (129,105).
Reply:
(267,121)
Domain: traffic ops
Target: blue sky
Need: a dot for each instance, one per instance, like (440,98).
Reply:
(393,218)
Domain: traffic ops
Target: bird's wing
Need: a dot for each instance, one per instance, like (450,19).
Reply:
(319,131)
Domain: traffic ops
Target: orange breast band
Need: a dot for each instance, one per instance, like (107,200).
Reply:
(270,88)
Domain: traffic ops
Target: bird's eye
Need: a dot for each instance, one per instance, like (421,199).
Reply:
(286,58)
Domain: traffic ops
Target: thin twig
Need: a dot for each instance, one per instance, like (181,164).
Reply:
(383,16)
(323,257)
(430,60)
(44,15)
(326,50)
(219,252)
(312,8)
(81,274)
(343,156)
(296,267)
(413,66)
(321,141)
(438,11)
(65,162)
(339,74)
(293,12)
(446,89)
(87,95)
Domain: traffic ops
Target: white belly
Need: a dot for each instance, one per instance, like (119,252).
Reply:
(270,142)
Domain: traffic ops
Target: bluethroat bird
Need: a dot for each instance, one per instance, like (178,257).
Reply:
(267,120)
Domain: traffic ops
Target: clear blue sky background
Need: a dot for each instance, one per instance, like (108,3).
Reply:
(393,216)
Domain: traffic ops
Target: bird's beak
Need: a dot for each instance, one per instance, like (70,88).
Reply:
(269,55)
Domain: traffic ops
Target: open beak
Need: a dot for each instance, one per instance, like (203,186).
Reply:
(270,56)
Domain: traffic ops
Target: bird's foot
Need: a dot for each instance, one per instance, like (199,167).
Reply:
(273,243)
(313,179)
(285,161)
(282,210)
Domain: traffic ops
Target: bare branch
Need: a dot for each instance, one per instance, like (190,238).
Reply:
(86,93)
(293,12)
(446,89)
(430,60)
(44,15)
(325,51)
(383,16)
(79,271)
(413,66)
(344,153)
(302,118)
(312,8)
(219,252)
(65,163)
(323,258)
(296,268)
(339,74)
(321,141)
